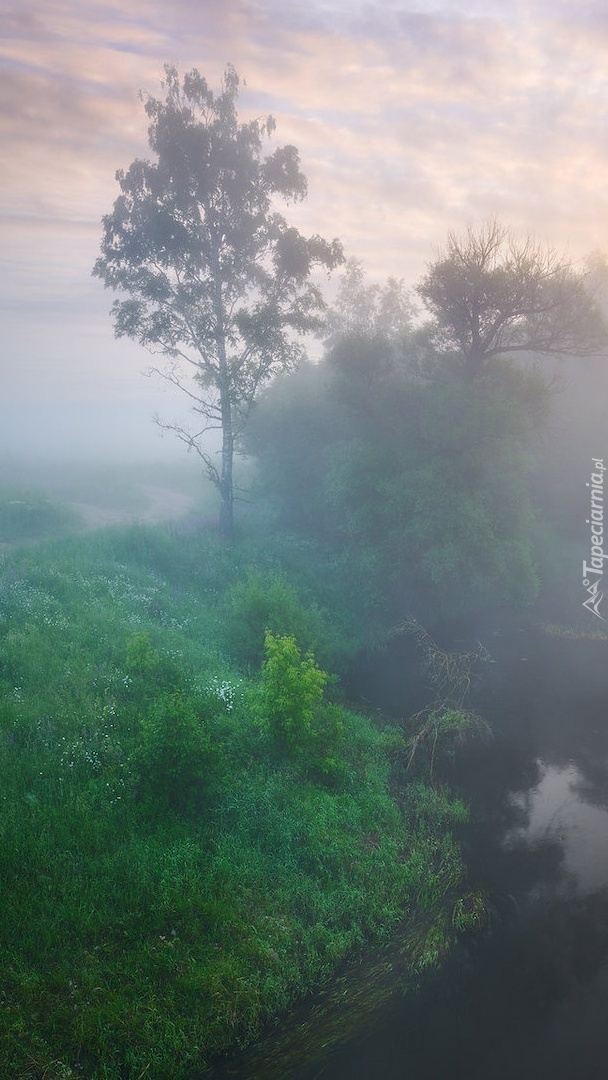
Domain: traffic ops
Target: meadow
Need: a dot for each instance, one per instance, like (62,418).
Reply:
(195,831)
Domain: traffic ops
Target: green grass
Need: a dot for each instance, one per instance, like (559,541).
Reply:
(170,879)
(26,514)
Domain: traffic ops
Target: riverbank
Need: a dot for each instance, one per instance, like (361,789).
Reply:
(173,879)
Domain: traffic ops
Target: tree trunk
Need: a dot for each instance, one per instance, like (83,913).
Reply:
(226,488)
(473,364)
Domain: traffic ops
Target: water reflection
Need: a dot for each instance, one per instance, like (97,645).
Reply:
(557,811)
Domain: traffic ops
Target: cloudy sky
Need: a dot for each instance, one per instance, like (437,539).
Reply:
(411,118)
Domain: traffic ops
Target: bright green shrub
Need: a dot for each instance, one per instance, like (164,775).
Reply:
(302,725)
(141,657)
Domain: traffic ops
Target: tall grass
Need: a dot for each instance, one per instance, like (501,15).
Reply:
(170,881)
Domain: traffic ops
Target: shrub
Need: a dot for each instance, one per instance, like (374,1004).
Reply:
(141,657)
(443,731)
(172,762)
(148,671)
(302,726)
(268,602)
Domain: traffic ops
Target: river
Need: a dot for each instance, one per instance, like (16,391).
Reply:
(528,996)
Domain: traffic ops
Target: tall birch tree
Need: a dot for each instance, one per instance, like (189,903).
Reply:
(208,274)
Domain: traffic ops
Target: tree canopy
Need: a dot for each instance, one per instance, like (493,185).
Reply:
(415,490)
(213,278)
(369,310)
(490,295)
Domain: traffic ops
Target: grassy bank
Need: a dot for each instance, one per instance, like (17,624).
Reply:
(177,866)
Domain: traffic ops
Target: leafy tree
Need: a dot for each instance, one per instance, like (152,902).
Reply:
(417,489)
(214,279)
(416,483)
(490,296)
(439,493)
(372,311)
(291,428)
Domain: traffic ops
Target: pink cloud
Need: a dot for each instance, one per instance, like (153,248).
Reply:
(408,123)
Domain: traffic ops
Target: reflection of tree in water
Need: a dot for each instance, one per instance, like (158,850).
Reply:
(590,756)
(593,786)
(540,982)
(495,778)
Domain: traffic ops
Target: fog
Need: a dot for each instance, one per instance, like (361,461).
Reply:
(71,390)
(82,431)
(408,123)
(318,749)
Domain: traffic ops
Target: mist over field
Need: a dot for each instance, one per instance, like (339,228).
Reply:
(303,622)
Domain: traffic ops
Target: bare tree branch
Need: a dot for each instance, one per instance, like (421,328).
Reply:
(490,296)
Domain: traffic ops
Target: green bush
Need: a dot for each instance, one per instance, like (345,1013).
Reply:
(148,671)
(304,727)
(266,601)
(141,657)
(172,762)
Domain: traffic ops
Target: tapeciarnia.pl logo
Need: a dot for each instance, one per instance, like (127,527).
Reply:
(593,571)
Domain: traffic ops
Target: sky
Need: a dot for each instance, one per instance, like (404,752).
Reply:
(411,119)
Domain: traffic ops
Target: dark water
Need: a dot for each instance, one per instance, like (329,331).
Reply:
(527,997)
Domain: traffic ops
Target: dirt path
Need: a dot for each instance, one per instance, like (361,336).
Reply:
(160,504)
(163,505)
